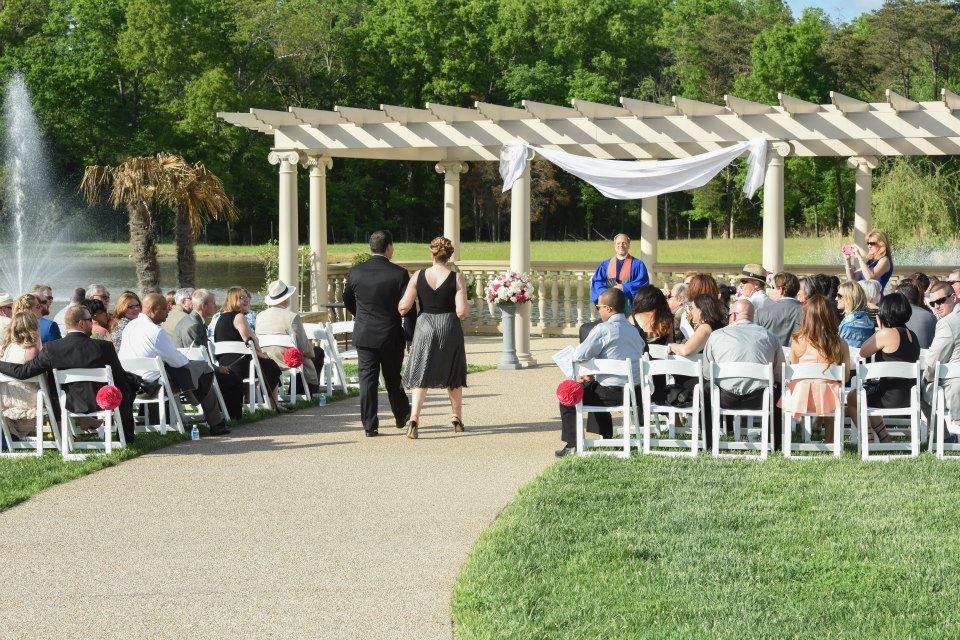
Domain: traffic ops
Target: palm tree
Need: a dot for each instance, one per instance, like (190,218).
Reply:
(130,185)
(197,197)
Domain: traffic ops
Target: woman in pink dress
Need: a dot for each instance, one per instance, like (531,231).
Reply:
(817,342)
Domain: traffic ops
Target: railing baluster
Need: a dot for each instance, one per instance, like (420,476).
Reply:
(542,302)
(555,301)
(567,322)
(580,319)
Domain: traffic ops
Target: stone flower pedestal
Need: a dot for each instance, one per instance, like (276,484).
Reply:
(508,360)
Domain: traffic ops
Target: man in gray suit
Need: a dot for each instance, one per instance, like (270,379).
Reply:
(945,347)
(782,316)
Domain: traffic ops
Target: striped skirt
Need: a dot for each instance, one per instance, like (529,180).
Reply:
(438,359)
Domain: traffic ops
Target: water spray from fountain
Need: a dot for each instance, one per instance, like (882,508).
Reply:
(31,221)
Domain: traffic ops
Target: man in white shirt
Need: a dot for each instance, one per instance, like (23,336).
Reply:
(945,347)
(753,283)
(144,337)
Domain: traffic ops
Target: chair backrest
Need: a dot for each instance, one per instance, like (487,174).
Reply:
(194,353)
(752,370)
(693,357)
(670,367)
(948,371)
(872,370)
(812,372)
(230,346)
(604,367)
(276,340)
(141,366)
(70,376)
(924,353)
(315,330)
(658,351)
(343,326)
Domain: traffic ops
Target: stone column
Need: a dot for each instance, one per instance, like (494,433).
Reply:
(520,256)
(863,199)
(318,230)
(648,233)
(773,225)
(288,234)
(451,171)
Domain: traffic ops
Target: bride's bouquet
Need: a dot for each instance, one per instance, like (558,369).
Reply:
(509,287)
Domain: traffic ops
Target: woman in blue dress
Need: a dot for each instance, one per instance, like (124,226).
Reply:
(876,263)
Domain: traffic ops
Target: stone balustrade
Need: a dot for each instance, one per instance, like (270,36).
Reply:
(561,301)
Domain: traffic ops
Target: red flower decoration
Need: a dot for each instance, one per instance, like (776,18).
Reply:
(569,393)
(292,357)
(109,397)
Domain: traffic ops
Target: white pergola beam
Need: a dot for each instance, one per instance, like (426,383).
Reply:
(545,111)
(644,109)
(275,118)
(795,106)
(901,103)
(950,99)
(449,113)
(696,108)
(245,120)
(362,116)
(597,110)
(743,107)
(406,115)
(846,104)
(316,117)
(497,112)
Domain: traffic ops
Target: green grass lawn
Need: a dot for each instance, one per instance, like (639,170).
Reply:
(797,250)
(22,478)
(677,548)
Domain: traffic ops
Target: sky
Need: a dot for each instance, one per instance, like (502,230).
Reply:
(842,10)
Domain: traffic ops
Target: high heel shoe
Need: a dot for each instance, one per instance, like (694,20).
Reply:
(458,425)
(413,430)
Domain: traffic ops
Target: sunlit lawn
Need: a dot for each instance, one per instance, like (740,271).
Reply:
(675,548)
(740,250)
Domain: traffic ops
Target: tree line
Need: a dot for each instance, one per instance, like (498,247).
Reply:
(118,78)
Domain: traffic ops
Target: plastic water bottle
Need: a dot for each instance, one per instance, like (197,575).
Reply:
(323,399)
(194,433)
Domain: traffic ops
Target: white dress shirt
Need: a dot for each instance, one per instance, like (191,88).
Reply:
(144,339)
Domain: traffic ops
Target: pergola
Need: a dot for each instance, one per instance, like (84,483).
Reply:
(454,136)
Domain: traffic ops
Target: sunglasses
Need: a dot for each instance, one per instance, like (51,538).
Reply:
(873,244)
(939,301)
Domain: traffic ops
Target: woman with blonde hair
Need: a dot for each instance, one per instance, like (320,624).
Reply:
(817,341)
(232,326)
(856,327)
(438,358)
(876,261)
(27,302)
(128,307)
(18,400)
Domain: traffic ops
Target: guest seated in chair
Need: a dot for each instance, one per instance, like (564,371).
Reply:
(622,271)
(945,347)
(615,339)
(144,337)
(278,319)
(781,316)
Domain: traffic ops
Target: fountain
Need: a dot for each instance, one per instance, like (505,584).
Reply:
(31,215)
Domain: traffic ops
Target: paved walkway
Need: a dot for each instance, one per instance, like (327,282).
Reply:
(295,527)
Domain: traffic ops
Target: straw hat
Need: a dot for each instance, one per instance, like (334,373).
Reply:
(754,272)
(277,292)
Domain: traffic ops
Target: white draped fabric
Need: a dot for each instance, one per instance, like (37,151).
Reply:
(634,179)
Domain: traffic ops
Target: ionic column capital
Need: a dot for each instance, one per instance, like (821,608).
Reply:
(452,167)
(318,164)
(863,163)
(279,157)
(777,151)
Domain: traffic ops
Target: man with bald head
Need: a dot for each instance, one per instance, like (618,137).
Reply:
(622,271)
(742,340)
(613,338)
(144,337)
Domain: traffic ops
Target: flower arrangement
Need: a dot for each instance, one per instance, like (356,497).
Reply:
(109,397)
(569,393)
(509,287)
(292,357)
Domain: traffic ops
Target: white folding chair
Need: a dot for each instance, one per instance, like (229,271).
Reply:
(285,341)
(628,407)
(797,372)
(942,416)
(897,370)
(652,412)
(166,399)
(202,354)
(754,371)
(35,444)
(257,393)
(658,351)
(110,420)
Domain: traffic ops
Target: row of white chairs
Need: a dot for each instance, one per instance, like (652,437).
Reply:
(757,442)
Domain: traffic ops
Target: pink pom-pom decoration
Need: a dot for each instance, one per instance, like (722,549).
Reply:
(109,397)
(292,357)
(569,393)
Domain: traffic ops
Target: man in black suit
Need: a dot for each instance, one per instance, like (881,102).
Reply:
(77,350)
(372,293)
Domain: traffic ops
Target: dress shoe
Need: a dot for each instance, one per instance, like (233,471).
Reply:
(566,451)
(458,425)
(413,430)
(402,422)
(370,433)
(219,430)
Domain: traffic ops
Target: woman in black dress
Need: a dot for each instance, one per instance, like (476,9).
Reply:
(653,319)
(232,326)
(438,359)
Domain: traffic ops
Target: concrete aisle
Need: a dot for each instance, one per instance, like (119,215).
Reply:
(295,527)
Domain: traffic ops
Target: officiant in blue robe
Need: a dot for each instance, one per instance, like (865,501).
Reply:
(622,271)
